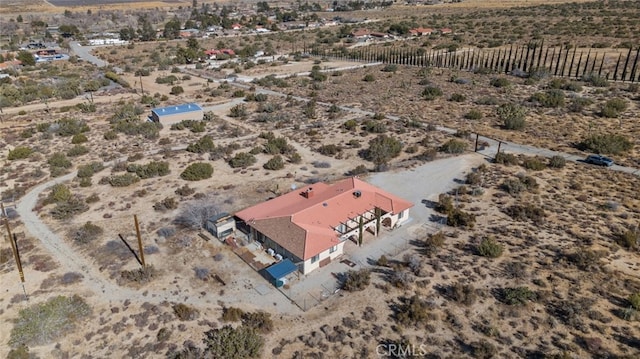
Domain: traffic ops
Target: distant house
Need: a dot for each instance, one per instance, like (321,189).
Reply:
(189,33)
(174,114)
(445,30)
(360,33)
(214,54)
(310,226)
(236,26)
(420,31)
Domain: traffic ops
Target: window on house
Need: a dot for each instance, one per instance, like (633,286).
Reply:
(333,249)
(400,215)
(315,258)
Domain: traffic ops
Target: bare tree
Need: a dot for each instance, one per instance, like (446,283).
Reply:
(195,214)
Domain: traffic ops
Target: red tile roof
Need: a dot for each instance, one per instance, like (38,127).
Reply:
(303,221)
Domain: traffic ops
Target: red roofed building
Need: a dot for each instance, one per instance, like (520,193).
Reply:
(213,53)
(310,226)
(419,31)
(445,30)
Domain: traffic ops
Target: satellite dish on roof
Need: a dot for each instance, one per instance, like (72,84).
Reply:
(293,187)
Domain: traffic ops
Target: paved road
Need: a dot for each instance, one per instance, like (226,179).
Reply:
(84,52)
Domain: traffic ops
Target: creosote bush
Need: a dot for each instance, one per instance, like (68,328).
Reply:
(490,248)
(19,153)
(88,232)
(275,163)
(356,280)
(185,312)
(242,160)
(233,343)
(512,116)
(607,143)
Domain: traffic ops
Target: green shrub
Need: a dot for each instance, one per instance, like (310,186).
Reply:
(629,239)
(239,110)
(374,126)
(549,98)
(369,78)
(634,301)
(185,312)
(278,146)
(456,97)
(382,149)
(595,80)
(59,193)
(512,116)
(557,162)
(500,82)
(490,248)
(203,145)
(517,185)
(124,180)
(453,146)
(517,295)
(390,68)
(356,280)
(117,79)
(46,322)
(88,170)
(77,150)
(70,127)
(259,321)
(473,115)
(59,159)
(110,135)
(433,243)
(431,93)
(579,103)
(19,153)
(613,107)
(151,169)
(232,314)
(528,211)
(459,218)
(69,208)
(506,158)
(197,171)
(462,293)
(607,143)
(242,159)
(329,150)
(176,90)
(533,163)
(275,163)
(79,138)
(413,311)
(233,343)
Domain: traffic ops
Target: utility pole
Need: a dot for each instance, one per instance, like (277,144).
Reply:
(141,250)
(141,87)
(16,253)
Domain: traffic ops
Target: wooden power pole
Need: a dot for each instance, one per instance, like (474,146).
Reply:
(141,250)
(16,253)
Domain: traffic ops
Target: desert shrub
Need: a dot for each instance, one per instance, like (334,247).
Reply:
(166,204)
(77,150)
(140,275)
(110,135)
(613,107)
(19,153)
(473,115)
(483,349)
(185,191)
(453,146)
(88,170)
(358,170)
(490,248)
(69,127)
(275,163)
(595,80)
(185,312)
(585,259)
(383,261)
(629,239)
(259,321)
(557,162)
(433,243)
(474,178)
(390,68)
(166,232)
(634,301)
(79,138)
(431,93)
(459,218)
(197,171)
(69,208)
(278,146)
(444,204)
(523,212)
(59,159)
(193,125)
(579,103)
(369,78)
(401,279)
(456,97)
(176,90)
(195,214)
(428,154)
(550,98)
(462,293)
(203,145)
(151,169)
(329,150)
(350,124)
(124,180)
(374,126)
(87,233)
(233,343)
(239,110)
(59,193)
(533,163)
(413,311)
(506,158)
(382,149)
(607,143)
(515,186)
(43,323)
(242,159)
(517,295)
(500,82)
(512,116)
(356,280)
(232,314)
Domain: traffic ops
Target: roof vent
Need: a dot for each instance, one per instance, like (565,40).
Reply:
(357,194)
(308,193)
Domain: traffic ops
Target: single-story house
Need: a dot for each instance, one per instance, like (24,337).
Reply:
(445,30)
(419,31)
(360,33)
(174,114)
(189,33)
(214,54)
(310,226)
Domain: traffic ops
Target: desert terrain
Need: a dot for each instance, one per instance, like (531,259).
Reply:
(525,253)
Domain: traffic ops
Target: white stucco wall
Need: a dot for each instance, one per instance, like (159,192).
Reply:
(309,267)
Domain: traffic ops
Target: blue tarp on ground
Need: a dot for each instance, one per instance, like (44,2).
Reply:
(280,270)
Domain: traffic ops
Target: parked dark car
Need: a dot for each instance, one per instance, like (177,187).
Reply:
(599,160)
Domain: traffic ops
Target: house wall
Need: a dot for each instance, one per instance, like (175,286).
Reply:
(308,266)
(269,243)
(168,120)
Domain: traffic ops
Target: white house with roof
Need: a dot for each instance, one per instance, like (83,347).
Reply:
(177,113)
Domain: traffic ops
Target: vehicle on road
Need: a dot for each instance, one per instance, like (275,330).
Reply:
(599,160)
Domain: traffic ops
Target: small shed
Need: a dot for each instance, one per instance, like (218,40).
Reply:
(278,272)
(174,114)
(221,225)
